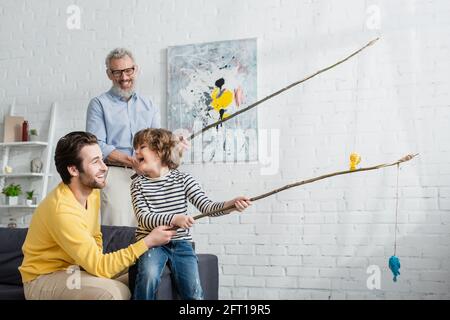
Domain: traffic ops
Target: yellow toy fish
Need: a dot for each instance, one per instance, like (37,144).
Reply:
(355,159)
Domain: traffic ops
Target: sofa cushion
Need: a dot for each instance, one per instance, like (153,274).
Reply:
(208,267)
(11,292)
(11,241)
(116,238)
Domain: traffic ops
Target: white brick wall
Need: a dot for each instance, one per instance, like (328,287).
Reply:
(314,242)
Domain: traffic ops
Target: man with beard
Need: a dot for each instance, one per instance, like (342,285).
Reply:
(114,117)
(63,250)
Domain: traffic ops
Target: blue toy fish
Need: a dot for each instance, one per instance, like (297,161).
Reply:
(394,265)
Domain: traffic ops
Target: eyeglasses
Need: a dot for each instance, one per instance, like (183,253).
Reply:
(118,73)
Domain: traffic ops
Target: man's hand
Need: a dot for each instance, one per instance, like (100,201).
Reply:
(241,203)
(182,221)
(159,236)
(118,158)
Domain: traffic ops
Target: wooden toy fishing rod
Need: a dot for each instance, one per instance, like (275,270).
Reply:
(281,90)
(300,183)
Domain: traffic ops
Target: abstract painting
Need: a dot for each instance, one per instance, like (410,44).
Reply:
(208,82)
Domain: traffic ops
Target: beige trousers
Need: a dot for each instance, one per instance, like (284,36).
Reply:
(79,285)
(116,208)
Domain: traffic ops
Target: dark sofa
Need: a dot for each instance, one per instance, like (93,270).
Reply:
(114,238)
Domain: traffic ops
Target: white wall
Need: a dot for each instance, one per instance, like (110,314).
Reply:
(311,242)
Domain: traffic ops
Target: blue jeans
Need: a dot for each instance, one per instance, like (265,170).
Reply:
(183,264)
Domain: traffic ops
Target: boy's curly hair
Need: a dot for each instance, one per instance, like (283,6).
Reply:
(163,142)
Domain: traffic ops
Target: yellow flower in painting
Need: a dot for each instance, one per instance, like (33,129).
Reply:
(221,99)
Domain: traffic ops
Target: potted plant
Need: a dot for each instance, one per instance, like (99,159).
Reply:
(34,135)
(29,200)
(12,193)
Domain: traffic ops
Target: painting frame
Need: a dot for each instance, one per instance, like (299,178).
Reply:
(208,82)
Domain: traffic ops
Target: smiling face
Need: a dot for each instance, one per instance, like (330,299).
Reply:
(93,171)
(123,81)
(149,161)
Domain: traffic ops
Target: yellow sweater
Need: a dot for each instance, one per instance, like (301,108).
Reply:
(63,233)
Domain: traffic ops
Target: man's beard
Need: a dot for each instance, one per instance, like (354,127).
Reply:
(123,93)
(90,181)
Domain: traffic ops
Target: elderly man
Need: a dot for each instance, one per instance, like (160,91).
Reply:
(65,232)
(114,117)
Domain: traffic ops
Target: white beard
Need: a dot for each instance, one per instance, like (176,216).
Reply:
(126,94)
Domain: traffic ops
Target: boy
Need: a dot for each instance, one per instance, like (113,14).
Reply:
(159,197)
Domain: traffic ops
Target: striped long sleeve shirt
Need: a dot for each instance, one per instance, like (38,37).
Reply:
(156,201)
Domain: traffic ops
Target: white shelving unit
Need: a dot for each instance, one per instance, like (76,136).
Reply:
(6,148)
(19,206)
(22,175)
(24,144)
